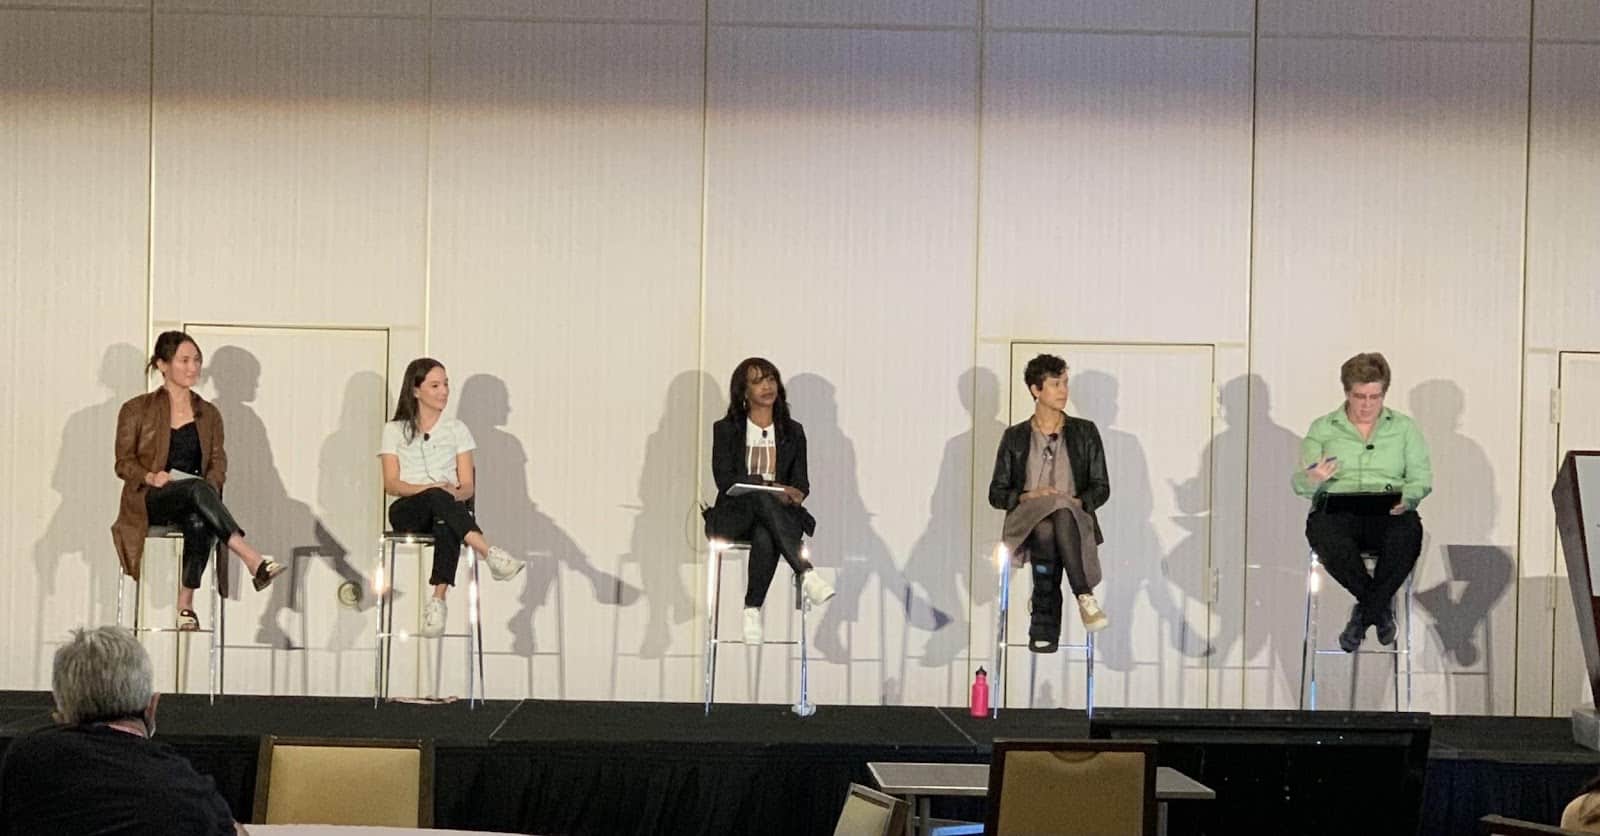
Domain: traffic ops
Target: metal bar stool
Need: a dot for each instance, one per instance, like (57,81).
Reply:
(219,588)
(383,586)
(715,550)
(1001,646)
(1309,651)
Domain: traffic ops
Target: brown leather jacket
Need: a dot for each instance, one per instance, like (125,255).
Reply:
(144,431)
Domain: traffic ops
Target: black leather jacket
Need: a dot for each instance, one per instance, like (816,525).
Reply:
(1088,457)
(727,461)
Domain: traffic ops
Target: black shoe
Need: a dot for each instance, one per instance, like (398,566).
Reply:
(1354,631)
(1388,631)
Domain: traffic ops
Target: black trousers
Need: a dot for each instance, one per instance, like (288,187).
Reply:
(772,529)
(1339,540)
(196,507)
(436,512)
(1055,548)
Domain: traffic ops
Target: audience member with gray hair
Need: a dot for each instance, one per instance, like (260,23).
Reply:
(98,771)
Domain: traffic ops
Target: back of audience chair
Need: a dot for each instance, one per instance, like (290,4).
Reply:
(1072,787)
(868,812)
(382,783)
(1502,826)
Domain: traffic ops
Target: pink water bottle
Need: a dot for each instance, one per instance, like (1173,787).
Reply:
(980,694)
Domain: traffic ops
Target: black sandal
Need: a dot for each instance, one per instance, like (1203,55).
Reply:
(188,621)
(268,570)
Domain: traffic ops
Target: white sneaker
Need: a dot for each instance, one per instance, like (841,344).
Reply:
(502,566)
(1094,618)
(432,619)
(816,589)
(752,626)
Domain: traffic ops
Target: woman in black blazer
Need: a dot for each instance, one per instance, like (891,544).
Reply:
(1049,477)
(757,443)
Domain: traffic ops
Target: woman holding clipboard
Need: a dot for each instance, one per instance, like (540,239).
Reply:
(170,458)
(758,458)
(1365,468)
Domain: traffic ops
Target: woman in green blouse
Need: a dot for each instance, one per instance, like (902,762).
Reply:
(1365,447)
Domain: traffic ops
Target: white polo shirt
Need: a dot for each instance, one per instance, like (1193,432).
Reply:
(430,456)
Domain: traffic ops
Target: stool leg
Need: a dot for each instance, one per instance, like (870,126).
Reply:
(476,614)
(1308,644)
(1000,632)
(1407,636)
(216,596)
(382,584)
(1396,654)
(803,708)
(1089,686)
(138,602)
(713,586)
(180,642)
(388,625)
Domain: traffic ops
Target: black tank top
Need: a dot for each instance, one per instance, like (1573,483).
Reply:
(184,451)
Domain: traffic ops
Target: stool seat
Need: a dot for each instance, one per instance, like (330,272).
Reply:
(408,537)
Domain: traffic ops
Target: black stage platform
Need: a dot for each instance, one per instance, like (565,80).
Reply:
(590,767)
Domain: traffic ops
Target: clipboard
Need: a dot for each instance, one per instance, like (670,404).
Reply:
(1364,504)
(742,488)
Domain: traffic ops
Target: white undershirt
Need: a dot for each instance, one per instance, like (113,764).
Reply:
(760,450)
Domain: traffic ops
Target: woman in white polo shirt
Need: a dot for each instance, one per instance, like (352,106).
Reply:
(427,466)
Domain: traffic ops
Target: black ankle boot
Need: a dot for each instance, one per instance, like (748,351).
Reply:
(1354,630)
(1388,631)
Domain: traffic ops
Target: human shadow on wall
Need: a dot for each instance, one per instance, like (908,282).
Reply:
(82,478)
(940,561)
(1243,418)
(1276,557)
(1464,479)
(512,520)
(350,491)
(279,525)
(845,536)
(1132,557)
(667,524)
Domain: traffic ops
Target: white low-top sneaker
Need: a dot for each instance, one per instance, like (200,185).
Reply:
(433,614)
(502,566)
(817,590)
(752,625)
(1094,618)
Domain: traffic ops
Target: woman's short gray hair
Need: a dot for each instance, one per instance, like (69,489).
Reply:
(101,674)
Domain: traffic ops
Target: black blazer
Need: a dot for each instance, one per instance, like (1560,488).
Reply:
(728,464)
(1088,457)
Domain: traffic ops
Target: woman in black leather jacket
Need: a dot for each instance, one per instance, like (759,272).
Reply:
(1049,477)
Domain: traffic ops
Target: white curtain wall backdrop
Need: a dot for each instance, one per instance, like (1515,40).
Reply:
(591,211)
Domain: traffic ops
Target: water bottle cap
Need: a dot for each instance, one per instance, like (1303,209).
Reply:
(982,672)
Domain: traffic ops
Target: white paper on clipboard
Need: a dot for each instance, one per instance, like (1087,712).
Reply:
(744,487)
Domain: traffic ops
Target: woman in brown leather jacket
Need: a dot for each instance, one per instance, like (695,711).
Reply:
(172,465)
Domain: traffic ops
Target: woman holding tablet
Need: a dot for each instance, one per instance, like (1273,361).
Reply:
(1358,452)
(758,457)
(427,465)
(172,464)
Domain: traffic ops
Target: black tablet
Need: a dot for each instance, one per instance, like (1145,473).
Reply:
(1372,503)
